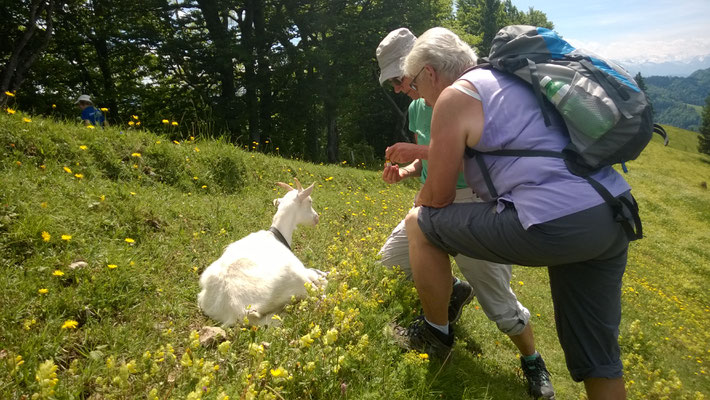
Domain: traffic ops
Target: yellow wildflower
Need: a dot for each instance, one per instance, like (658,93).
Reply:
(197,150)
(67,170)
(424,356)
(135,154)
(306,340)
(26,119)
(43,291)
(66,237)
(70,324)
(54,106)
(131,123)
(90,127)
(83,147)
(10,111)
(280,371)
(134,116)
(174,123)
(112,266)
(10,94)
(57,273)
(129,240)
(104,109)
(138,123)
(79,176)
(102,197)
(46,236)
(165,121)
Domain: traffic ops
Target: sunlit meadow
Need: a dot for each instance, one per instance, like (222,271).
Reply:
(104,233)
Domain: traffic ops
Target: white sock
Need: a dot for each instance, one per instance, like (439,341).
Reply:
(442,328)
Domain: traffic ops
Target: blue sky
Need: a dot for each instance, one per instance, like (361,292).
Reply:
(655,30)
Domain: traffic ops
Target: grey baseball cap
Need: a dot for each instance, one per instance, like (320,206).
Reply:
(392,51)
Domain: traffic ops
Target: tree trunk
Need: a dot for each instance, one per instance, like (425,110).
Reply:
(263,77)
(331,119)
(219,34)
(21,51)
(250,74)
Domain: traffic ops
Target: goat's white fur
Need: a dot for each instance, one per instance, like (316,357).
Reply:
(257,275)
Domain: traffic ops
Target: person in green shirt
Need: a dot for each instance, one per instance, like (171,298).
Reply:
(488,281)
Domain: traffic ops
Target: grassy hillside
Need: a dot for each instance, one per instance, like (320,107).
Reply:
(147,215)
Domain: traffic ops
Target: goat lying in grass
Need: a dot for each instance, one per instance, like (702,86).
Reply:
(258,274)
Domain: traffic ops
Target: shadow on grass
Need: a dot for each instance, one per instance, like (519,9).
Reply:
(467,376)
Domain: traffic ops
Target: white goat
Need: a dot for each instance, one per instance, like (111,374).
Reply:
(257,275)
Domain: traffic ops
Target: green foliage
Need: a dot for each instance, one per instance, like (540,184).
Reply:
(704,142)
(125,324)
(675,99)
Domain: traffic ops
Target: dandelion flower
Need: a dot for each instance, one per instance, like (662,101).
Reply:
(54,106)
(83,147)
(43,291)
(424,356)
(135,154)
(131,123)
(70,324)
(46,236)
(112,266)
(197,150)
(165,121)
(79,176)
(10,94)
(104,109)
(10,111)
(520,283)
(280,371)
(26,119)
(176,142)
(174,123)
(134,116)
(138,123)
(44,204)
(66,237)
(129,240)
(67,170)
(102,197)
(58,273)
(90,127)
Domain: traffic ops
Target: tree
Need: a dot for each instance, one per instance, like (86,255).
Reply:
(704,142)
(642,85)
(30,43)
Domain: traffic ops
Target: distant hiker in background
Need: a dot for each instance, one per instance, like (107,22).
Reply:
(90,114)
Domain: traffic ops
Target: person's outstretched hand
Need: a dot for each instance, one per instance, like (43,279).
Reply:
(393,174)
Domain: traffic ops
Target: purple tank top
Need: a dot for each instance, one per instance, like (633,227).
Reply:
(542,189)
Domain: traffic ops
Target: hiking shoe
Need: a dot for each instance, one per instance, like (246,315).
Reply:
(424,338)
(539,385)
(461,294)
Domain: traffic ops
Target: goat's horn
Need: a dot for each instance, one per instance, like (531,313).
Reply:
(285,186)
(298,184)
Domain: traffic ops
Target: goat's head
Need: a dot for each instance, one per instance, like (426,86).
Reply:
(297,203)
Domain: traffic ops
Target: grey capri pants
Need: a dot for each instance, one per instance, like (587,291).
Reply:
(586,257)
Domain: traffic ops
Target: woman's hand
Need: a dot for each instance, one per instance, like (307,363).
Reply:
(393,174)
(406,152)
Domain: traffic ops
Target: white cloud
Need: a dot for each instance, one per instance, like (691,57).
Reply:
(650,49)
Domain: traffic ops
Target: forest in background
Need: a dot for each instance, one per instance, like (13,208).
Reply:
(292,76)
(679,101)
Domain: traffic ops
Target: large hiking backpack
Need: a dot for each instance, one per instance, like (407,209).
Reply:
(607,115)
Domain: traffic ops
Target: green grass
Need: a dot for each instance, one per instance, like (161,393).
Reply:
(180,204)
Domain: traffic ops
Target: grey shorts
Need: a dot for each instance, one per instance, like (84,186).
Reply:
(586,255)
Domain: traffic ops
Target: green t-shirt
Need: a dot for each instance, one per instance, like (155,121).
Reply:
(420,124)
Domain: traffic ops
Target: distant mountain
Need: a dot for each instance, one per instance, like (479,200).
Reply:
(681,68)
(678,101)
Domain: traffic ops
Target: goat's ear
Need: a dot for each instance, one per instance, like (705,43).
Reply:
(285,186)
(298,184)
(306,192)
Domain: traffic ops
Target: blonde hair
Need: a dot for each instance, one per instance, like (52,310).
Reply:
(443,50)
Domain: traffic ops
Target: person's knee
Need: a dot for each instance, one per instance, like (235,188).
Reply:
(411,222)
